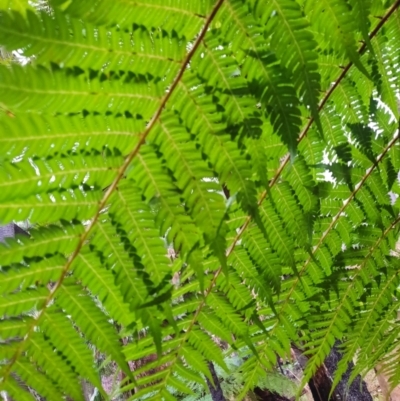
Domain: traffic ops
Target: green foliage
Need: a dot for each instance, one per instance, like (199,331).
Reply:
(232,382)
(201,177)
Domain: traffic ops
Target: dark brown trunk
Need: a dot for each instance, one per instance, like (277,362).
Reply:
(321,384)
(215,389)
(357,390)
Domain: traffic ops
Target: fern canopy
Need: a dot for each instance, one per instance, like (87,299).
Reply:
(197,171)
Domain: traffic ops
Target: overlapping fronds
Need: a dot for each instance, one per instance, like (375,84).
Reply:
(200,177)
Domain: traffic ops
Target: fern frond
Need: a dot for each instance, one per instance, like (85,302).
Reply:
(182,201)
(183,16)
(120,260)
(90,46)
(14,389)
(286,28)
(386,62)
(22,302)
(22,277)
(36,135)
(381,298)
(265,258)
(213,324)
(245,266)
(33,177)
(361,11)
(38,381)
(44,241)
(139,227)
(11,328)
(224,310)
(333,18)
(276,92)
(88,270)
(158,187)
(202,343)
(44,208)
(92,322)
(232,170)
(343,311)
(199,191)
(73,90)
(60,332)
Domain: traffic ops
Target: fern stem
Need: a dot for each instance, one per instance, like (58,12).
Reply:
(114,185)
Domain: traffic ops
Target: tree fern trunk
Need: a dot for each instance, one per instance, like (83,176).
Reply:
(321,383)
(215,389)
(357,390)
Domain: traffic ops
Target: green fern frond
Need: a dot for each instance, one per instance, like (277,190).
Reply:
(90,46)
(59,330)
(87,268)
(14,389)
(342,313)
(22,277)
(39,382)
(139,227)
(22,302)
(334,18)
(54,366)
(39,136)
(43,241)
(200,179)
(10,328)
(183,16)
(92,322)
(286,28)
(120,259)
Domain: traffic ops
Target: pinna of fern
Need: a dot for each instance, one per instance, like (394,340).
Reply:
(258,138)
